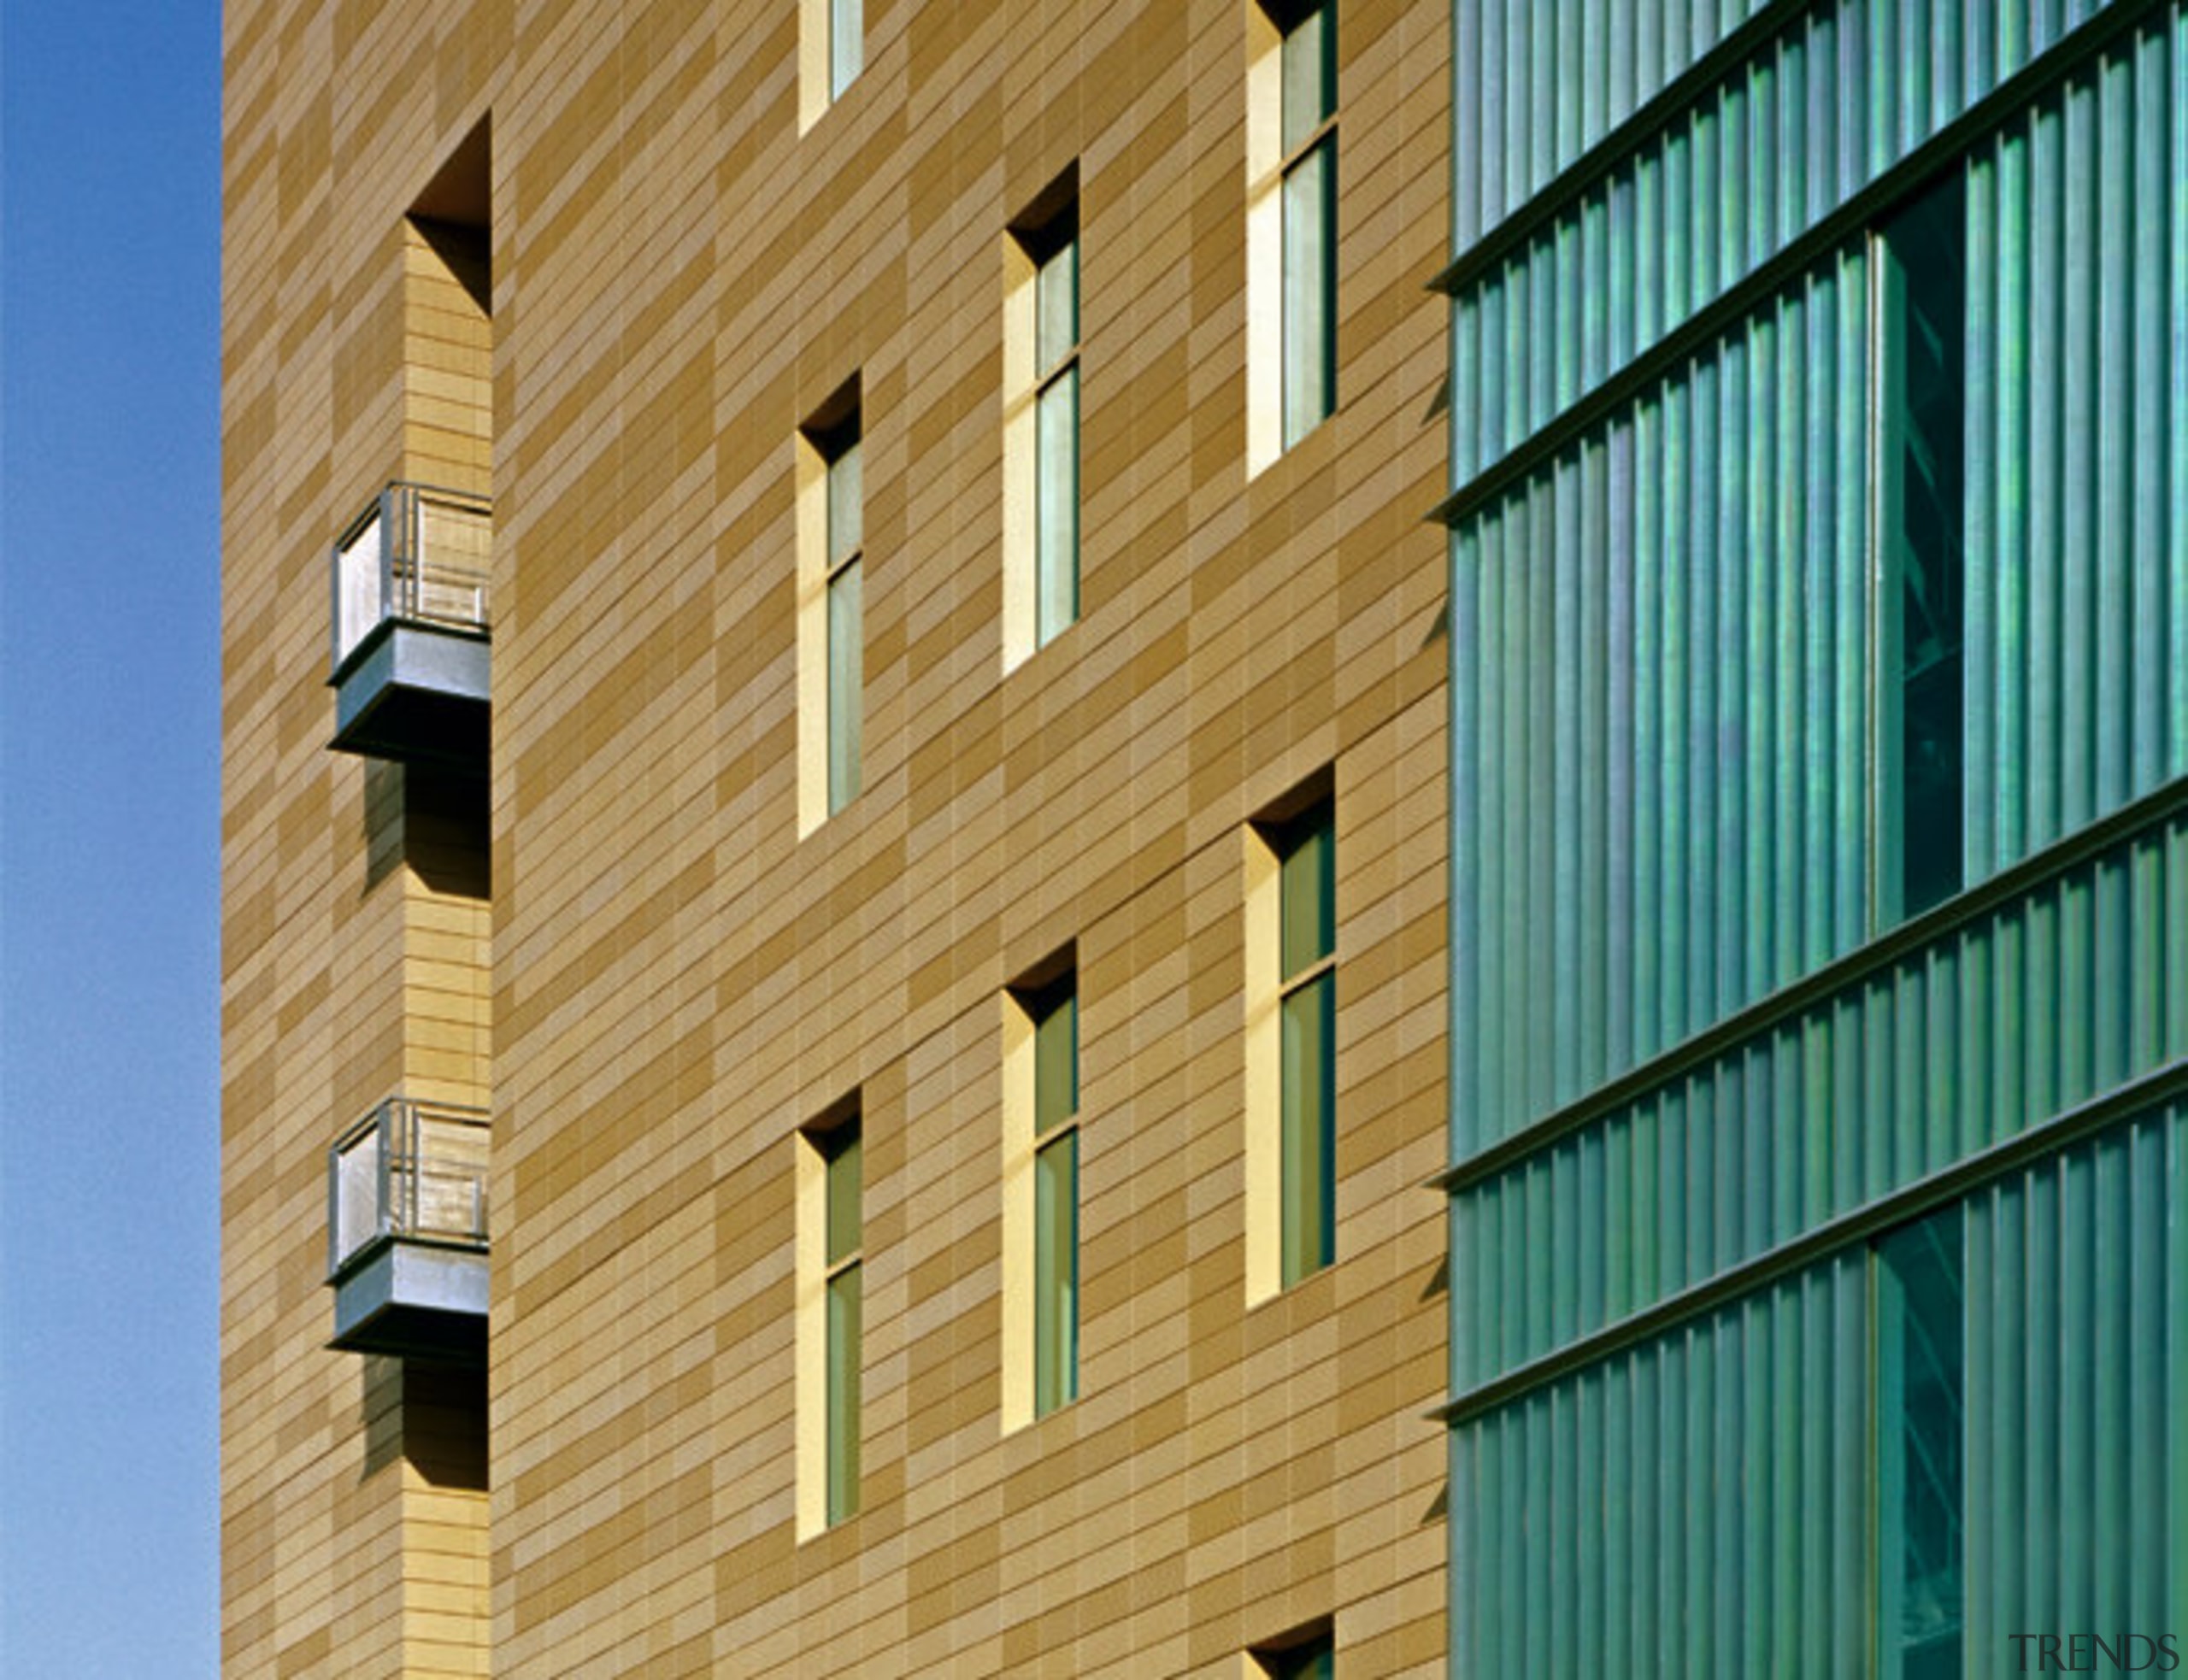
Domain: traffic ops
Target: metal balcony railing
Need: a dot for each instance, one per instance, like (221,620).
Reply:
(417,555)
(407,1171)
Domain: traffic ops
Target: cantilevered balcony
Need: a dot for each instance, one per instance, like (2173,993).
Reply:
(409,622)
(406,1232)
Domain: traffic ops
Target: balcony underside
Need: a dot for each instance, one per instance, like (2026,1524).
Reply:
(415,1300)
(414,692)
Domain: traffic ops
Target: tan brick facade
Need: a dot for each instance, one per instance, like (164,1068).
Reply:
(665,982)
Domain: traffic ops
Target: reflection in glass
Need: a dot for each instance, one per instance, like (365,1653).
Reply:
(846,43)
(1921,1436)
(1921,410)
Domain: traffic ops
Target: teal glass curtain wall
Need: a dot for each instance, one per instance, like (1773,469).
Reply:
(1697,1505)
(1703,1067)
(2078,463)
(1822,106)
(1701,1503)
(2061,994)
(1662,715)
(1665,695)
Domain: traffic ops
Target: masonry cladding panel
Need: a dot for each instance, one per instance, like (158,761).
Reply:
(674,981)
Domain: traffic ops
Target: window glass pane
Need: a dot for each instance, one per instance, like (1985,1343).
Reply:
(1309,73)
(845,1153)
(1308,888)
(1055,307)
(1923,415)
(844,1314)
(1055,1062)
(846,510)
(1309,1131)
(1922,1382)
(846,43)
(1056,580)
(1316,1660)
(846,696)
(1309,290)
(357,597)
(1056,1273)
(358,1210)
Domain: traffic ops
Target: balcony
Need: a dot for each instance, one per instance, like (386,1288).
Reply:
(409,627)
(406,1232)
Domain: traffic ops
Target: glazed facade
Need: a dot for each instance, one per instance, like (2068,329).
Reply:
(1818,1133)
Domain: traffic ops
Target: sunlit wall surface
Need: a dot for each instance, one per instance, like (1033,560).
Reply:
(1819,523)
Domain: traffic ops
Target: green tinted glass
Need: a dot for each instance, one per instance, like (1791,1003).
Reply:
(1055,307)
(1921,1449)
(1309,74)
(1921,526)
(1055,574)
(1056,1059)
(1307,854)
(846,505)
(1309,290)
(1309,1130)
(1316,1660)
(845,1330)
(1055,1274)
(846,683)
(844,1151)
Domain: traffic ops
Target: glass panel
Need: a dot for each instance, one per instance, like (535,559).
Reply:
(844,1313)
(1055,307)
(1310,1140)
(1309,290)
(455,549)
(1055,1061)
(357,587)
(1920,524)
(357,1195)
(846,43)
(846,681)
(846,509)
(1055,1274)
(1309,870)
(1056,576)
(1309,71)
(845,1153)
(451,1177)
(1314,1660)
(1922,1382)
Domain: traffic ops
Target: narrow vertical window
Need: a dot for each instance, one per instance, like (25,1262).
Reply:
(1290,1008)
(844,1155)
(1309,1656)
(1291,223)
(1920,266)
(1056,469)
(1921,1435)
(1307,134)
(1307,868)
(1041,355)
(831,53)
(846,43)
(846,622)
(830,608)
(1055,1198)
(1040,1191)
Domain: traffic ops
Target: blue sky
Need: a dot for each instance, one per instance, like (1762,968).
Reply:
(109,533)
